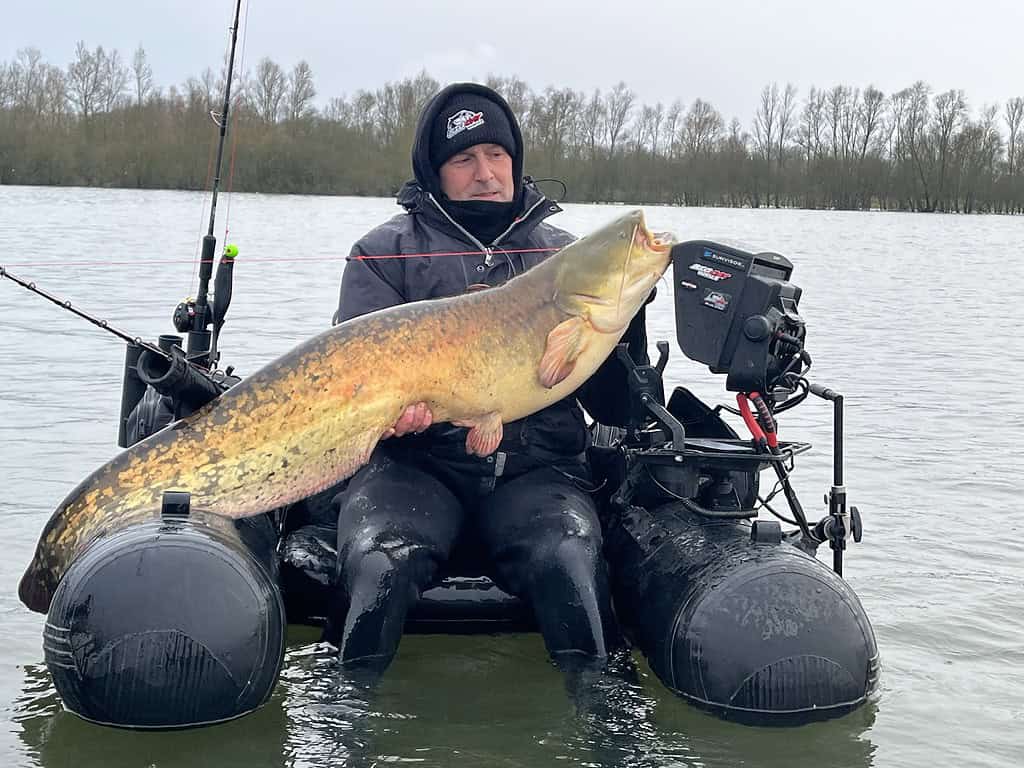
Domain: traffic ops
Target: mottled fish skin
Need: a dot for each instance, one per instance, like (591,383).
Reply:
(312,417)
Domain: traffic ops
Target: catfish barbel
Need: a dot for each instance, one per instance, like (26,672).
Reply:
(312,417)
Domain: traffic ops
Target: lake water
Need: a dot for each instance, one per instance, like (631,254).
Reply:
(917,319)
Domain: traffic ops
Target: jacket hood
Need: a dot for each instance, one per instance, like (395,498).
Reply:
(421,166)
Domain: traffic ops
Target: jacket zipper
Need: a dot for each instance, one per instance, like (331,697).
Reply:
(521,219)
(488,251)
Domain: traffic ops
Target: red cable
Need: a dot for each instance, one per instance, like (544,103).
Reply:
(448,253)
(749,420)
(767,420)
(249,259)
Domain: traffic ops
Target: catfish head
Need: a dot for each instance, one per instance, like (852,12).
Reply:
(607,276)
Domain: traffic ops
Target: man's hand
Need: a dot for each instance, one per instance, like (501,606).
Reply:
(415,418)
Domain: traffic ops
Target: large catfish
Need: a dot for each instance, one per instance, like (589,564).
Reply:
(313,416)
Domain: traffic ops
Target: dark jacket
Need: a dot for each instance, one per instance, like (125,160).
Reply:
(557,433)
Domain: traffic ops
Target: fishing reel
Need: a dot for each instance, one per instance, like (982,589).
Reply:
(184,316)
(736,312)
(160,384)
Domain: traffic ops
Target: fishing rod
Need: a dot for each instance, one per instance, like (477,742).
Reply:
(163,367)
(195,318)
(186,382)
(98,322)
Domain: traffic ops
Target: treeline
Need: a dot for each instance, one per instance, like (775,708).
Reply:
(103,121)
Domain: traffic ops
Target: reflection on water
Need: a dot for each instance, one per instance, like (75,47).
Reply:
(55,738)
(475,701)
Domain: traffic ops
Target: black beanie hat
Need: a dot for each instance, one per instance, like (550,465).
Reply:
(467,119)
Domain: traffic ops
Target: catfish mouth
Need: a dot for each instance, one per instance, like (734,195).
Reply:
(639,280)
(639,273)
(610,304)
(659,242)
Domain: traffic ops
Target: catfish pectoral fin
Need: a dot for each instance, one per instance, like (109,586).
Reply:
(564,345)
(485,436)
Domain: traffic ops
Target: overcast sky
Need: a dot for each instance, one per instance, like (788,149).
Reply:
(723,51)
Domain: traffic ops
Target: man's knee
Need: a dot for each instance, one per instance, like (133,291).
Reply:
(382,515)
(373,555)
(544,541)
(542,517)
(564,542)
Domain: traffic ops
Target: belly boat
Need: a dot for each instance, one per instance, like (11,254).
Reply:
(733,612)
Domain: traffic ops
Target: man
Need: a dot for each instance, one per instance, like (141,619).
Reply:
(527,505)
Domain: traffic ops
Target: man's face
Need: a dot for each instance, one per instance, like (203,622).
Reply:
(480,172)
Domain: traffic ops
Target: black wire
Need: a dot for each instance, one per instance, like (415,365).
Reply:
(565,189)
(783,518)
(794,502)
(795,400)
(773,492)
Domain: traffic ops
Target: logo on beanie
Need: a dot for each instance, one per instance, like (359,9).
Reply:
(464,120)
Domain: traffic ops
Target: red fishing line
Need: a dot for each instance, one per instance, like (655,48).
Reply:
(268,259)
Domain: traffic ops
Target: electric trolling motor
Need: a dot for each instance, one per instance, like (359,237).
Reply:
(737,313)
(732,614)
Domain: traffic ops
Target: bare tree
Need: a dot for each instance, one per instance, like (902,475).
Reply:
(515,91)
(657,118)
(914,116)
(1014,114)
(338,110)
(398,106)
(672,126)
(812,123)
(618,107)
(643,129)
(55,95)
(424,87)
(837,117)
(114,78)
(268,90)
(301,91)
(553,119)
(392,104)
(701,128)
(593,116)
(143,75)
(974,151)
(8,85)
(950,112)
(765,121)
(871,116)
(784,122)
(30,77)
(85,79)
(364,108)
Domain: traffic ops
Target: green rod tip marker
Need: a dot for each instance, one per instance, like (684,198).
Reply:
(230,251)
